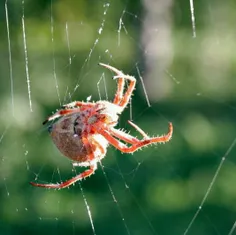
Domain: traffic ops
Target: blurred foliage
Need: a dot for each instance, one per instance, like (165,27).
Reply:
(158,190)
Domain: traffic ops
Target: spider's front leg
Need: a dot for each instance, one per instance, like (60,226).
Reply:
(120,84)
(120,99)
(59,114)
(73,107)
(76,104)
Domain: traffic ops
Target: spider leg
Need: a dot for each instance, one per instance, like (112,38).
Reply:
(68,182)
(68,109)
(119,100)
(126,137)
(123,136)
(123,148)
(121,84)
(139,130)
(59,114)
(77,104)
(126,98)
(120,90)
(81,176)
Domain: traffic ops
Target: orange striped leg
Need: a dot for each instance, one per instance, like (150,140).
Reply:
(126,137)
(123,148)
(69,108)
(123,136)
(78,104)
(68,182)
(121,84)
(81,176)
(129,92)
(122,101)
(60,113)
(139,130)
(120,90)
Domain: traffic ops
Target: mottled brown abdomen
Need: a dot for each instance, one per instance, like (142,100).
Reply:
(75,144)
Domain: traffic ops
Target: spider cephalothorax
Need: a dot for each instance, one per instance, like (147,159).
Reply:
(84,130)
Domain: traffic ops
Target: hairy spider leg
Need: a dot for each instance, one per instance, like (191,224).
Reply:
(123,136)
(119,98)
(139,130)
(81,176)
(67,183)
(69,109)
(127,137)
(126,98)
(120,86)
(122,100)
(59,114)
(78,104)
(120,91)
(123,148)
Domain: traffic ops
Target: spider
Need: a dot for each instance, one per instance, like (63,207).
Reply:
(83,130)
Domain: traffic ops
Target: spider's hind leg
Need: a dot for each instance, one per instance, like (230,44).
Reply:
(67,183)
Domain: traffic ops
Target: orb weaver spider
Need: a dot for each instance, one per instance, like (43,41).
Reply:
(84,130)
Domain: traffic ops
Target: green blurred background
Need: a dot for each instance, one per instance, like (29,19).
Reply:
(190,81)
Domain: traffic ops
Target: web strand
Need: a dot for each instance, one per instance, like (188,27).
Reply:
(210,186)
(232,229)
(53,54)
(88,209)
(121,25)
(141,209)
(26,56)
(115,200)
(100,29)
(193,18)
(10,60)
(68,43)
(144,89)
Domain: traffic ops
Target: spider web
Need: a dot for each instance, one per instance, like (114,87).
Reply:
(182,54)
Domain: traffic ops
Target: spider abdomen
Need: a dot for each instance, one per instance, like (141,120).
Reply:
(75,142)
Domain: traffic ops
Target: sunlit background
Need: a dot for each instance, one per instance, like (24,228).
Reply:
(184,59)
